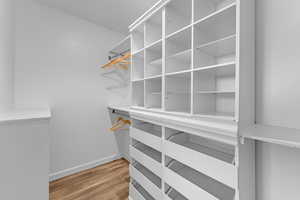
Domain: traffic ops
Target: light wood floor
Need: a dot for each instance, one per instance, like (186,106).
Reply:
(106,182)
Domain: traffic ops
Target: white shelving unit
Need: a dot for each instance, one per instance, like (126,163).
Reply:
(182,38)
(192,92)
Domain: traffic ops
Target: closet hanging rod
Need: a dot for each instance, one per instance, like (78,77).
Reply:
(114,111)
(116,54)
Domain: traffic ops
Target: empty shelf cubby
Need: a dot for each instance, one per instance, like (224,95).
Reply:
(138,66)
(172,194)
(138,39)
(154,93)
(138,192)
(138,93)
(154,60)
(178,92)
(178,51)
(153,27)
(205,8)
(178,15)
(214,91)
(215,39)
(195,185)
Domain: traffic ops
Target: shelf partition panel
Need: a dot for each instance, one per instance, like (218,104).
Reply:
(204,8)
(178,15)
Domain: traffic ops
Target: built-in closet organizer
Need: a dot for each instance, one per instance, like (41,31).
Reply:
(192,90)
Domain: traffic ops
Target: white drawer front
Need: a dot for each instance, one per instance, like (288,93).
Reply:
(135,194)
(210,166)
(146,138)
(146,183)
(147,161)
(186,188)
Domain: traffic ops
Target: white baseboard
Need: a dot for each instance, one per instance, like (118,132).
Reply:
(79,168)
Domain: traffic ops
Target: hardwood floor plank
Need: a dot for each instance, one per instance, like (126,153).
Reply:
(106,182)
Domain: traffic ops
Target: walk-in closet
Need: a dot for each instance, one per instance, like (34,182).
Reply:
(149,100)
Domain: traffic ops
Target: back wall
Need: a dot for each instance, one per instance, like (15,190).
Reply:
(58,59)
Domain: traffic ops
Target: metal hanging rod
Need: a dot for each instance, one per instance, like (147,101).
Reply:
(123,113)
(116,54)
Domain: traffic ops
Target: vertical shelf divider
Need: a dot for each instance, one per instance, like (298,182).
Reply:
(145,63)
(192,58)
(163,95)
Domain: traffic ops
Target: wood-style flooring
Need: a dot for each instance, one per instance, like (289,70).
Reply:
(106,182)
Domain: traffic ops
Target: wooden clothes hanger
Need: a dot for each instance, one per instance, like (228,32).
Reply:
(121,122)
(120,61)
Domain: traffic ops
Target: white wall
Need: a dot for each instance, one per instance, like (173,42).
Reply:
(24,153)
(6,52)
(57,62)
(278,95)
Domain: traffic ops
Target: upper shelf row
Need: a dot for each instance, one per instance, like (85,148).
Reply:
(213,16)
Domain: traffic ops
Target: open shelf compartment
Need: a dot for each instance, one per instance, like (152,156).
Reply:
(212,158)
(214,91)
(147,179)
(206,8)
(178,15)
(138,94)
(154,93)
(136,191)
(153,27)
(138,66)
(178,93)
(137,36)
(193,184)
(178,51)
(154,60)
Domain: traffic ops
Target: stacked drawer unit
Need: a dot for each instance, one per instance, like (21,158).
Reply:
(173,164)
(146,161)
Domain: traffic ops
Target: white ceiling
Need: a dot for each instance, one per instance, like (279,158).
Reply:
(113,14)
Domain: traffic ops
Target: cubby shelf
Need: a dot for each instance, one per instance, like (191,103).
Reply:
(215,92)
(227,64)
(193,38)
(221,13)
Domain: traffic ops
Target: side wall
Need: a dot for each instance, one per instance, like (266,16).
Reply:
(277,95)
(58,59)
(6,52)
